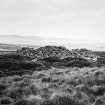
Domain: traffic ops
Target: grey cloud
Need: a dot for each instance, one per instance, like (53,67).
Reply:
(72,19)
(18,10)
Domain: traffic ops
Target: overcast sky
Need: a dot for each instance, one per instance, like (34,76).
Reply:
(77,21)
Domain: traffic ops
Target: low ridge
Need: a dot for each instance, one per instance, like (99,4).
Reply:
(59,52)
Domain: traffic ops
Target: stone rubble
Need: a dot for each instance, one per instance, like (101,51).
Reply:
(59,52)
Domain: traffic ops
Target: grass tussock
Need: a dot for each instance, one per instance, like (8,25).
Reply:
(69,86)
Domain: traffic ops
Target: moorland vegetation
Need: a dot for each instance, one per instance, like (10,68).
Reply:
(52,76)
(70,86)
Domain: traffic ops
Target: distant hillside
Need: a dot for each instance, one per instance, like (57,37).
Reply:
(12,48)
(9,47)
(100,53)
